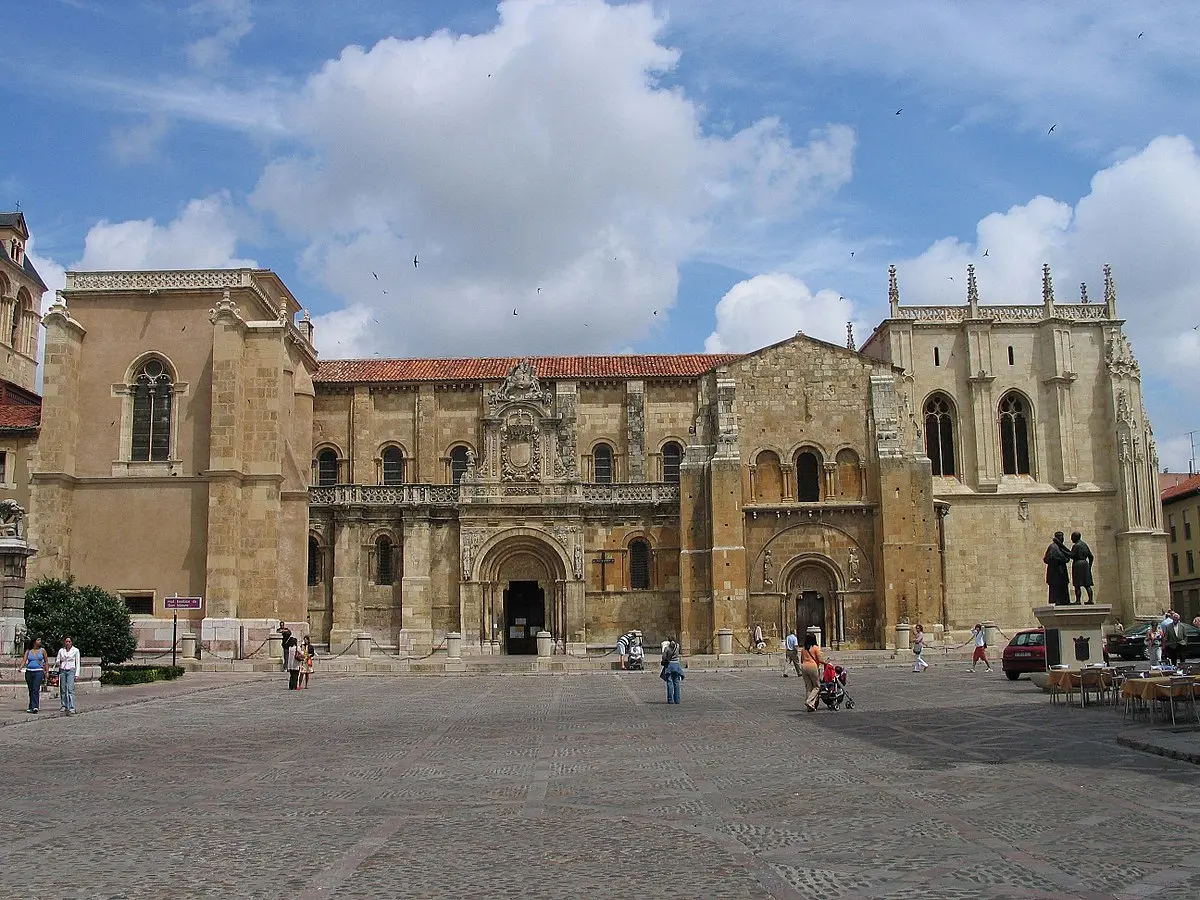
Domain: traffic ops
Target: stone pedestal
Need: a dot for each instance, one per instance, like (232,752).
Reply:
(362,645)
(454,660)
(187,645)
(991,634)
(545,644)
(275,646)
(1074,634)
(815,631)
(724,642)
(903,632)
(14,551)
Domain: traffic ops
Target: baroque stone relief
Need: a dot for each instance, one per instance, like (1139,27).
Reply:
(1120,359)
(520,384)
(520,448)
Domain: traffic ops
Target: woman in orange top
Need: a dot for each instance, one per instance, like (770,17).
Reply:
(811,662)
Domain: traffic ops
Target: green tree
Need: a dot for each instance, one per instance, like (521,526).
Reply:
(97,621)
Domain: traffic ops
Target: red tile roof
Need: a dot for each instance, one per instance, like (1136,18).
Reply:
(1190,485)
(348,371)
(19,417)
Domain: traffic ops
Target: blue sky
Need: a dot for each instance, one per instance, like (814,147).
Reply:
(669,176)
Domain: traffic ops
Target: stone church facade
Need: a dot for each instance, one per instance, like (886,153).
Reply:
(192,443)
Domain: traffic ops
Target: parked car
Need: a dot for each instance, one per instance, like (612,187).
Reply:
(1026,652)
(1131,644)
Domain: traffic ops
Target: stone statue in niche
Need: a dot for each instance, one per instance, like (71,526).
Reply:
(11,515)
(855,567)
(577,562)
(472,472)
(768,560)
(466,560)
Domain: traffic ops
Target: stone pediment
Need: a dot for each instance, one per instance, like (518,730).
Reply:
(520,385)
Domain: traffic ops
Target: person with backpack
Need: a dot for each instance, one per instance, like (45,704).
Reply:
(672,670)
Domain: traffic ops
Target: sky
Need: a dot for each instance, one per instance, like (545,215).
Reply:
(580,176)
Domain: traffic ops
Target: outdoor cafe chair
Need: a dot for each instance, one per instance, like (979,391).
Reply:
(1181,687)
(1092,681)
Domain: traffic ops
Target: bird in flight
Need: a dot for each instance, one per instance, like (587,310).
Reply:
(951,277)
(539,290)
(415,260)
(900,110)
(376,276)
(656,312)
(852,254)
(1140,33)
(514,312)
(985,252)
(1052,127)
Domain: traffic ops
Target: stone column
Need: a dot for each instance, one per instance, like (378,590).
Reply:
(788,472)
(417,584)
(348,575)
(635,429)
(14,551)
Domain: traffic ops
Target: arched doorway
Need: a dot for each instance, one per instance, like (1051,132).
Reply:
(812,593)
(524,592)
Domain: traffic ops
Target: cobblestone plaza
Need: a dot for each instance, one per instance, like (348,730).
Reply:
(947,785)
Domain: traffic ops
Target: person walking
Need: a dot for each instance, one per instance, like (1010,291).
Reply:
(35,673)
(1175,641)
(979,634)
(811,662)
(756,638)
(791,653)
(1154,644)
(672,670)
(918,649)
(68,668)
(307,655)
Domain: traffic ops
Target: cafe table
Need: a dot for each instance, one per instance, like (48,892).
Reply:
(1146,690)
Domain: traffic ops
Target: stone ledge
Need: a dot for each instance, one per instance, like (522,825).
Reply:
(1173,743)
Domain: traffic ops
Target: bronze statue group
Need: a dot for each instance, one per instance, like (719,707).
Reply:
(1057,558)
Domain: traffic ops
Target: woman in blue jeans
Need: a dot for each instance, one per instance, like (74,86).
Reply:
(672,670)
(35,673)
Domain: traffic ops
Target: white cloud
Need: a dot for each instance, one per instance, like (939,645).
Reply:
(204,235)
(768,308)
(543,154)
(233,21)
(138,142)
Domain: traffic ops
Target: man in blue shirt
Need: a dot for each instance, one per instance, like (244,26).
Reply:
(793,653)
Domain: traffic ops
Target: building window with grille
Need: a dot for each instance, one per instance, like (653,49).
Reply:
(314,561)
(1174,563)
(151,440)
(1191,563)
(1171,527)
(458,464)
(384,560)
(639,564)
(327,468)
(939,434)
(393,465)
(1014,434)
(602,464)
(1187,527)
(672,455)
(808,477)
(139,604)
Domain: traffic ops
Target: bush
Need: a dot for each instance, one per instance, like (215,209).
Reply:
(122,675)
(97,621)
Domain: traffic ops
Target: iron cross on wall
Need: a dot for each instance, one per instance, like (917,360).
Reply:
(603,561)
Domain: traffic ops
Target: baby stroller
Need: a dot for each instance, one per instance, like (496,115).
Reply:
(636,661)
(833,691)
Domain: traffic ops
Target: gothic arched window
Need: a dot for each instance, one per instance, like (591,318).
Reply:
(672,455)
(327,468)
(458,463)
(1014,434)
(639,564)
(602,464)
(808,477)
(939,434)
(384,559)
(393,465)
(151,436)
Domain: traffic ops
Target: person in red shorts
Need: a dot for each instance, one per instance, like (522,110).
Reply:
(980,653)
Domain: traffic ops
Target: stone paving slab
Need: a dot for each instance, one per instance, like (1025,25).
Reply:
(943,785)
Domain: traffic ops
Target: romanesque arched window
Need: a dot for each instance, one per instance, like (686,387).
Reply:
(672,456)
(1014,434)
(327,467)
(849,478)
(384,560)
(768,477)
(939,434)
(17,314)
(602,464)
(458,463)
(639,564)
(393,465)
(808,476)
(151,433)
(314,561)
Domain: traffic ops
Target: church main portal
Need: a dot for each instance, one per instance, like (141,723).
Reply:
(524,616)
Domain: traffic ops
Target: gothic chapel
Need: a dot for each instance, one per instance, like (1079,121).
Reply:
(192,443)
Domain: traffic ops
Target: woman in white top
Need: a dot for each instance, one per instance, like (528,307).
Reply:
(68,668)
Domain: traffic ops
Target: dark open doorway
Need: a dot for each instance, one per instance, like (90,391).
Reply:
(524,616)
(810,610)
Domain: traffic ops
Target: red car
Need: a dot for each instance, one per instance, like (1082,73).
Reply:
(1026,652)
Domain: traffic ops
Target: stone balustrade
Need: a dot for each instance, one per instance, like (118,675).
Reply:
(426,495)
(1075,312)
